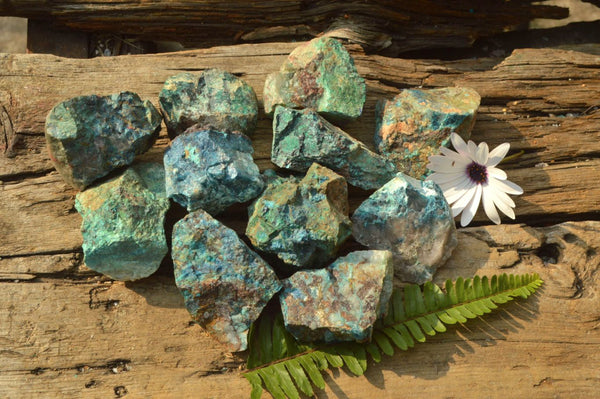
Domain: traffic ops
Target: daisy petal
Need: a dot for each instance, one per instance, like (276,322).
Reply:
(496,173)
(507,210)
(508,187)
(459,159)
(449,153)
(470,210)
(455,192)
(459,145)
(488,206)
(442,164)
(481,155)
(444,178)
(499,194)
(500,200)
(472,149)
(498,154)
(463,201)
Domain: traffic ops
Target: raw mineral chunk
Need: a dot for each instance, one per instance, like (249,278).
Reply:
(123,233)
(340,302)
(89,136)
(416,123)
(225,285)
(213,99)
(321,75)
(302,221)
(411,219)
(303,137)
(211,170)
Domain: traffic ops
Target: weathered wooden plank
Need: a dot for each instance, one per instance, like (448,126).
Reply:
(381,24)
(38,217)
(561,149)
(86,336)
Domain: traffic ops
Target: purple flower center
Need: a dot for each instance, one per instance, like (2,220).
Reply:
(477,173)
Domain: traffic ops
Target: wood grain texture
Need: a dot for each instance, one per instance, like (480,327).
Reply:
(523,102)
(393,26)
(66,331)
(71,333)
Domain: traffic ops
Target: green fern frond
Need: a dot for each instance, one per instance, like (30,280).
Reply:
(280,364)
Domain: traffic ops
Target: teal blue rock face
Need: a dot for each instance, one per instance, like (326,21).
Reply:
(213,99)
(90,136)
(211,170)
(224,284)
(321,75)
(411,219)
(416,123)
(303,137)
(302,221)
(123,233)
(340,302)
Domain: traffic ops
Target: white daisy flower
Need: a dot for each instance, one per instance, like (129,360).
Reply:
(471,175)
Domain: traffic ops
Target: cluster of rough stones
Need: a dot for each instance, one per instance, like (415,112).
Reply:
(406,223)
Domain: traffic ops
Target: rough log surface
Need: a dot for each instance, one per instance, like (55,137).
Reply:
(66,331)
(544,102)
(381,24)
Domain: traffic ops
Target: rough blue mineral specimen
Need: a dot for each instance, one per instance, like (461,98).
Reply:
(303,137)
(123,233)
(225,285)
(321,75)
(340,302)
(89,136)
(416,123)
(302,221)
(214,99)
(211,170)
(411,219)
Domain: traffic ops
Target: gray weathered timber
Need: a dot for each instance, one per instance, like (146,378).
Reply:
(380,25)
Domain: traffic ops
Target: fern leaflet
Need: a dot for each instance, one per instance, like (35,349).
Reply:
(284,366)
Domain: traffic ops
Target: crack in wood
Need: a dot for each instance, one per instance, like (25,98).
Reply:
(8,138)
(19,177)
(115,366)
(577,285)
(42,253)
(96,303)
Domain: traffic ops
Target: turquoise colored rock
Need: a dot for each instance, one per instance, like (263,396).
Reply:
(302,221)
(411,219)
(416,123)
(90,136)
(213,99)
(123,218)
(340,302)
(211,170)
(321,75)
(224,284)
(303,137)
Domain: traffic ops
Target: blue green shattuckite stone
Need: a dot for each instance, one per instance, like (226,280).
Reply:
(123,233)
(321,75)
(90,136)
(416,123)
(211,170)
(213,99)
(303,137)
(224,284)
(411,219)
(340,302)
(302,221)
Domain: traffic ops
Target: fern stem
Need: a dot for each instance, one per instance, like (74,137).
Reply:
(283,359)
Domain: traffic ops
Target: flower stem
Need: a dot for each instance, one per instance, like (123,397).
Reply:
(513,156)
